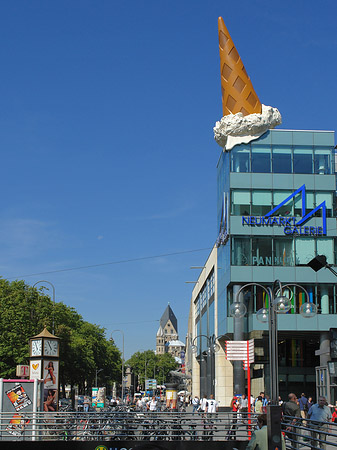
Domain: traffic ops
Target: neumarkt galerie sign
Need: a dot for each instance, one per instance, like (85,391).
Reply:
(291,225)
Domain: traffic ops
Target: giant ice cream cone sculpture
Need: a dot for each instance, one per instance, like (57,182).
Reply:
(245,118)
(238,94)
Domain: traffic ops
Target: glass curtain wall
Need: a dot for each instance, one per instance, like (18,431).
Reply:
(260,158)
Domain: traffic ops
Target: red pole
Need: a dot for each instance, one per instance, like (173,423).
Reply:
(249,394)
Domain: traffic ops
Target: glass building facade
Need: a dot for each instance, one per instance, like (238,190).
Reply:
(276,211)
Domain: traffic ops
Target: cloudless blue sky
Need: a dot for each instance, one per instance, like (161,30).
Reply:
(107,111)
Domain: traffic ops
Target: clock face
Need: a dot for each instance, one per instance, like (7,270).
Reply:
(37,347)
(50,347)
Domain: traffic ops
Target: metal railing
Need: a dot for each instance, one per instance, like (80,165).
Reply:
(306,433)
(155,426)
(126,426)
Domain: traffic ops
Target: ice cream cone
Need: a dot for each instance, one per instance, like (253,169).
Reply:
(238,94)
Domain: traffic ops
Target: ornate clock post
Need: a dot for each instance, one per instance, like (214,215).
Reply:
(44,364)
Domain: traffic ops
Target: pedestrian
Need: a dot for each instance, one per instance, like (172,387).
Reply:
(258,405)
(243,402)
(310,402)
(195,403)
(292,413)
(303,402)
(202,405)
(259,439)
(211,405)
(319,415)
(334,415)
(152,405)
(232,430)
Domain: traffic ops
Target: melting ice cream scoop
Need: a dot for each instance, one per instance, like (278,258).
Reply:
(245,118)
(249,127)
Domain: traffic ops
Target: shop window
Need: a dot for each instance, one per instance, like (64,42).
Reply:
(240,203)
(325,246)
(325,299)
(282,160)
(261,202)
(261,157)
(262,251)
(241,254)
(303,160)
(304,250)
(283,252)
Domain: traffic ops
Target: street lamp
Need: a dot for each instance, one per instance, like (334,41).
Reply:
(97,372)
(278,303)
(113,331)
(45,281)
(212,348)
(319,262)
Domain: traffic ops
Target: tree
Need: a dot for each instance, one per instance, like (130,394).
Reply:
(157,366)
(25,311)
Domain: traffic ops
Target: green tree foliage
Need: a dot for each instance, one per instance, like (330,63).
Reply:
(25,311)
(157,366)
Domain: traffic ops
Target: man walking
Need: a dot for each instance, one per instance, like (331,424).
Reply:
(319,415)
(211,405)
(303,402)
(195,403)
(292,410)
(203,404)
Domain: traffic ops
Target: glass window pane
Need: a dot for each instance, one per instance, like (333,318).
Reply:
(262,251)
(283,252)
(261,159)
(288,208)
(281,159)
(305,250)
(240,159)
(303,160)
(261,202)
(325,247)
(298,205)
(309,202)
(322,161)
(240,203)
(241,252)
(320,197)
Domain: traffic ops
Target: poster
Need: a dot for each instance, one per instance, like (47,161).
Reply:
(35,369)
(18,397)
(50,382)
(98,397)
(17,424)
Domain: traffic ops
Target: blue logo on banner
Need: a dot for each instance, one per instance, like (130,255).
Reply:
(290,223)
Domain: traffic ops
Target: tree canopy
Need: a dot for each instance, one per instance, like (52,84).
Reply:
(154,366)
(25,311)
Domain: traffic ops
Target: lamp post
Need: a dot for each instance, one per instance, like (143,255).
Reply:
(97,372)
(53,287)
(113,331)
(213,347)
(278,303)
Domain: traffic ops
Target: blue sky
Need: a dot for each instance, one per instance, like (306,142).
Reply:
(106,117)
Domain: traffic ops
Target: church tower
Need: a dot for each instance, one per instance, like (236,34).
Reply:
(167,339)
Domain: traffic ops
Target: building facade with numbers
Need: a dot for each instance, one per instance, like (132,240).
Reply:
(275,212)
